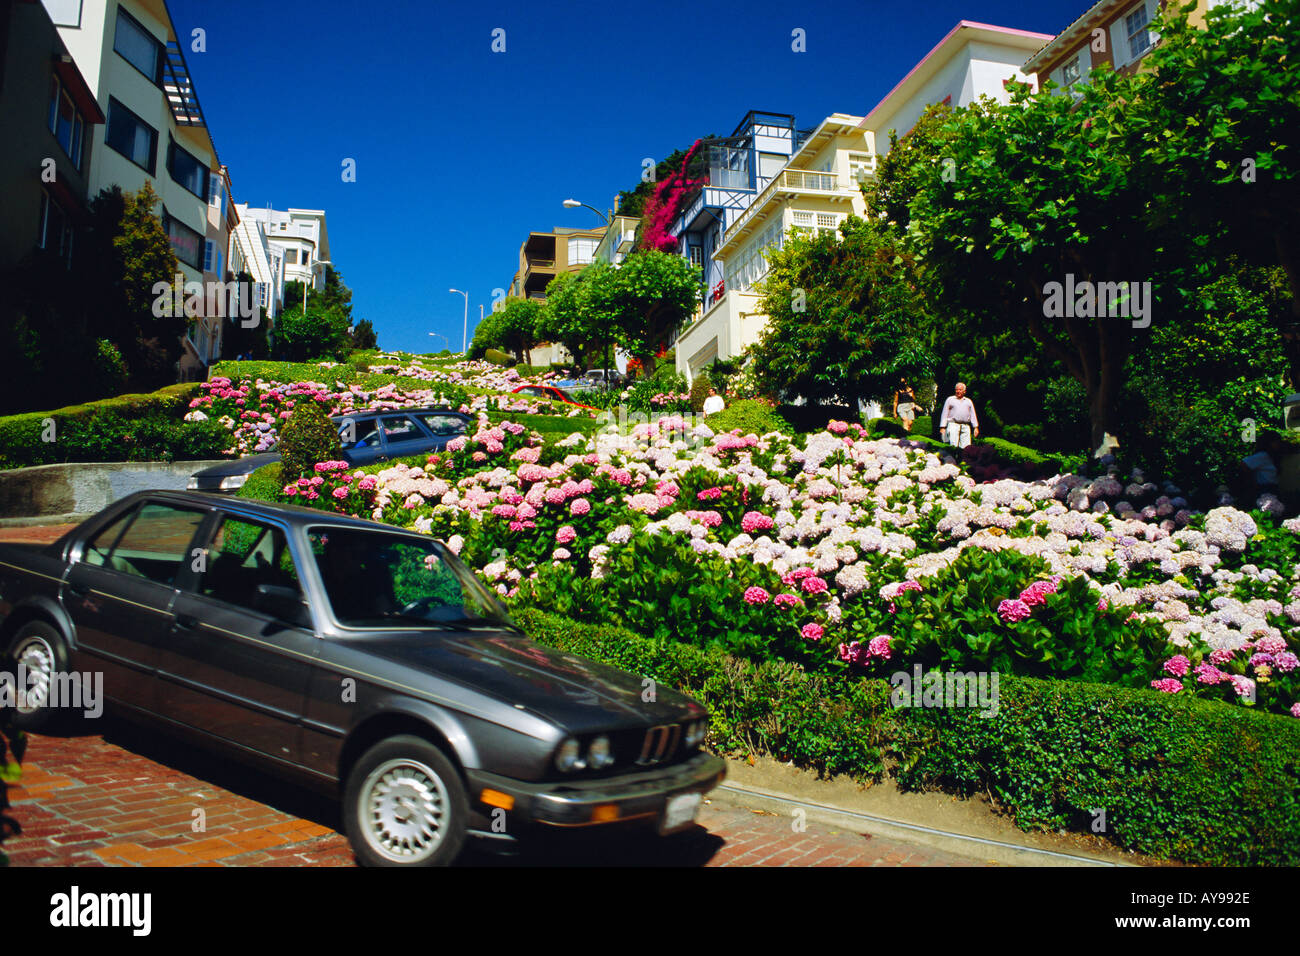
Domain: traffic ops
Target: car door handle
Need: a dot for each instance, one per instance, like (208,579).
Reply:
(186,622)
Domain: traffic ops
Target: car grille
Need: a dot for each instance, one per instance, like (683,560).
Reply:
(660,745)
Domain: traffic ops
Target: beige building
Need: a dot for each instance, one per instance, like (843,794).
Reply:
(49,114)
(544,255)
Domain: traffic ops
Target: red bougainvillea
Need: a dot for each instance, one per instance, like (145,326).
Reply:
(663,206)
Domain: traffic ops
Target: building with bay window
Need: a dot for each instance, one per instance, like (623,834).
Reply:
(49,114)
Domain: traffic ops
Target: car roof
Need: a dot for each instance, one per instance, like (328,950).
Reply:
(293,514)
(417,409)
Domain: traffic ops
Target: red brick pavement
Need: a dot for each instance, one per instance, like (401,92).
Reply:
(130,800)
(40,534)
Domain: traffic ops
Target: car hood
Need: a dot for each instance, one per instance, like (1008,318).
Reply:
(239,466)
(577,694)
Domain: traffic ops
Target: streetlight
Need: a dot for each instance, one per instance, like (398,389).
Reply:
(444,338)
(574,204)
(307,285)
(464,340)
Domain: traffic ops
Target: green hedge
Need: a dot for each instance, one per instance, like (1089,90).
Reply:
(1179,777)
(1188,779)
(264,484)
(768,708)
(284,372)
(136,427)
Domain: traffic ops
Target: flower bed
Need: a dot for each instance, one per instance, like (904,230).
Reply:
(845,554)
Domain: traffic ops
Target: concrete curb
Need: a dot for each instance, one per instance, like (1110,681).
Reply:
(53,493)
(912,831)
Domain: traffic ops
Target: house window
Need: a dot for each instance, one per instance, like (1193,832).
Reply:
(581,250)
(291,256)
(187,170)
(217,194)
(66,122)
(64,13)
(208,248)
(1070,73)
(1135,28)
(860,166)
(697,255)
(54,234)
(131,136)
(263,293)
(138,46)
(186,243)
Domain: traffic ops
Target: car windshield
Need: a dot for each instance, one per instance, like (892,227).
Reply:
(377,579)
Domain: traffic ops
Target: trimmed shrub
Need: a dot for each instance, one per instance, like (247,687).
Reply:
(265,484)
(497,357)
(749,415)
(308,437)
(700,386)
(285,372)
(136,427)
(1188,779)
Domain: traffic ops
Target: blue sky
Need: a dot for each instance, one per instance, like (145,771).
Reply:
(461,151)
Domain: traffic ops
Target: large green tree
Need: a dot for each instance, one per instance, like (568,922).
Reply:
(644,300)
(1214,125)
(319,332)
(516,327)
(568,318)
(844,317)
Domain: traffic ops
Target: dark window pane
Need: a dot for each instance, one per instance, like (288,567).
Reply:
(243,555)
(140,48)
(156,543)
(130,136)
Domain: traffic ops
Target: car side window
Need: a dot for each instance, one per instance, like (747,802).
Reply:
(240,556)
(444,424)
(100,547)
(401,428)
(155,543)
(365,432)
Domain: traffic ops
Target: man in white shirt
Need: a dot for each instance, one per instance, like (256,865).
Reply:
(713,404)
(958,422)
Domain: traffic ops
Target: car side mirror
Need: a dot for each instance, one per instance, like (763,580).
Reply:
(285,604)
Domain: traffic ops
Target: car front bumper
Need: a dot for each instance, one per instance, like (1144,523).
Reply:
(640,796)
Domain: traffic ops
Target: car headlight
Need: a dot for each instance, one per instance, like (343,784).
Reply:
(569,758)
(599,754)
(695,732)
(233,482)
(192,484)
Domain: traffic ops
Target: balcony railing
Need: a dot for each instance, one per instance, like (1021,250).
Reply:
(541,263)
(793,181)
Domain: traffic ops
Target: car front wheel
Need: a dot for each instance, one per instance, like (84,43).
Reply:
(405,805)
(39,656)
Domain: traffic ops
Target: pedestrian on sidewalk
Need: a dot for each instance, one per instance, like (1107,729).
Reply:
(905,405)
(958,423)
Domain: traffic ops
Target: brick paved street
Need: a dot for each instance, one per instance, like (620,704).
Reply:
(129,799)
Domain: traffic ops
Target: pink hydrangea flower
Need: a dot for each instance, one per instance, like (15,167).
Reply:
(1178,665)
(1286,662)
(812,632)
(1037,592)
(503,511)
(813,585)
(1167,685)
(1220,655)
(566,535)
(1295,710)
(879,646)
(755,521)
(787,600)
(1209,674)
(579,506)
(838,427)
(709,494)
(756,595)
(340,492)
(1013,610)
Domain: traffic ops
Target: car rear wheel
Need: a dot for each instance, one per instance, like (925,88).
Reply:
(405,805)
(39,656)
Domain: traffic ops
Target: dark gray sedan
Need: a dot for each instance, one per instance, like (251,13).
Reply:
(359,658)
(365,438)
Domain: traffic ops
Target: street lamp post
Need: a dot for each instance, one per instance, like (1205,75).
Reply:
(574,204)
(464,339)
(444,338)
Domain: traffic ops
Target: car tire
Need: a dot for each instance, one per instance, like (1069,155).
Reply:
(394,784)
(39,648)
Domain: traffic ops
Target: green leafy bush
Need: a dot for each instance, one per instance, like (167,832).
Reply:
(285,372)
(750,416)
(700,386)
(264,484)
(147,427)
(1186,779)
(308,437)
(497,357)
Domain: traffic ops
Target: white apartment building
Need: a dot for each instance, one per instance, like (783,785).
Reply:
(300,237)
(250,252)
(130,56)
(814,192)
(821,183)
